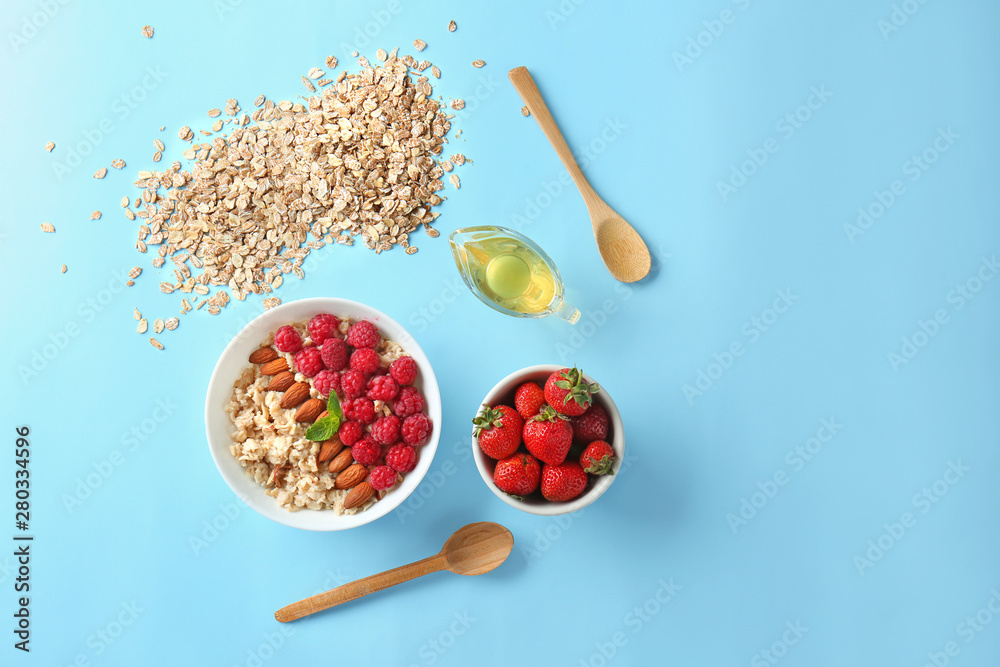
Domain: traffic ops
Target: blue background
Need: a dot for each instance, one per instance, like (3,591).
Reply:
(164,547)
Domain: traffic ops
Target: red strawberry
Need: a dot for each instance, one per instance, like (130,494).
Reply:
(598,458)
(517,475)
(529,399)
(563,482)
(591,425)
(498,430)
(548,436)
(568,392)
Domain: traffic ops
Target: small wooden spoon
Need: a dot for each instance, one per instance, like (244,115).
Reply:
(473,549)
(621,247)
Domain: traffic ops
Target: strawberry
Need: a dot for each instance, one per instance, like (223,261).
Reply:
(598,458)
(529,399)
(517,475)
(548,436)
(568,392)
(498,431)
(591,425)
(563,482)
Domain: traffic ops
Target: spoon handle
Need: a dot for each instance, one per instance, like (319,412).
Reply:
(360,588)
(526,88)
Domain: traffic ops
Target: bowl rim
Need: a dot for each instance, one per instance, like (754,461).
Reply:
(548,508)
(219,391)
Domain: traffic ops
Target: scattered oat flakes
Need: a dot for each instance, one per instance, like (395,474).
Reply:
(155,343)
(271,302)
(478,63)
(217,126)
(162,128)
(435,71)
(331,61)
(309,85)
(412,249)
(185,133)
(458,104)
(63,270)
(458,159)
(419,44)
(136,314)
(147,31)
(447,165)
(158,325)
(431,232)
(125,201)
(455,181)
(316,73)
(129,214)
(214,113)
(382,55)
(101,173)
(171,323)
(96,215)
(49,146)
(452,26)
(143,326)
(157,156)
(118,163)
(324,82)
(214,310)
(47,227)
(525,112)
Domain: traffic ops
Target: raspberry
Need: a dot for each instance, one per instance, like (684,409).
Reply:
(363,334)
(322,327)
(404,370)
(308,361)
(382,388)
(352,384)
(416,428)
(360,410)
(382,478)
(385,430)
(366,451)
(529,399)
(350,432)
(334,354)
(287,339)
(326,381)
(401,458)
(365,360)
(408,402)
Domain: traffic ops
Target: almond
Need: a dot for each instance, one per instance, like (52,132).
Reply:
(281,381)
(359,495)
(341,461)
(351,477)
(329,449)
(309,411)
(274,366)
(278,474)
(263,355)
(295,394)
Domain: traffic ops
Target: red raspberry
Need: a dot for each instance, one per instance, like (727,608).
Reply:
(308,361)
(365,360)
(322,327)
(350,432)
(367,452)
(382,478)
(382,388)
(334,353)
(352,384)
(529,399)
(401,458)
(363,334)
(404,370)
(408,402)
(360,410)
(416,428)
(287,339)
(385,430)
(326,381)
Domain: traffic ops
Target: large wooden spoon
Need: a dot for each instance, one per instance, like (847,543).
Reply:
(621,247)
(473,549)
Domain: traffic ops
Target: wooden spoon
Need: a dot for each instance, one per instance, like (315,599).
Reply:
(473,549)
(621,247)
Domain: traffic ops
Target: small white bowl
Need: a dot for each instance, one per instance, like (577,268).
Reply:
(218,426)
(503,393)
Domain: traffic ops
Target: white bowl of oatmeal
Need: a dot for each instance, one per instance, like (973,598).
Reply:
(249,436)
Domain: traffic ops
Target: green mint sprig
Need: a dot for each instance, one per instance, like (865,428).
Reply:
(327,427)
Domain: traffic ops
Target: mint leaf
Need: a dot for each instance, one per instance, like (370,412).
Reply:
(323,429)
(333,407)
